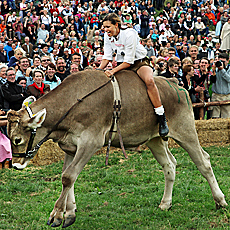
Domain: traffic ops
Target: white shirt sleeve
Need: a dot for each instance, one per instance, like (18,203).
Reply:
(108,52)
(130,47)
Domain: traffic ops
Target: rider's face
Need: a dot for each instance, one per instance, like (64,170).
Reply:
(112,30)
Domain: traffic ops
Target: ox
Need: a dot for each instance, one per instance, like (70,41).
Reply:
(85,130)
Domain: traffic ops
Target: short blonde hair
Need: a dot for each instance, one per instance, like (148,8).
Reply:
(19,49)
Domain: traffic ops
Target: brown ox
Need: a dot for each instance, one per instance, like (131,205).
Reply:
(85,130)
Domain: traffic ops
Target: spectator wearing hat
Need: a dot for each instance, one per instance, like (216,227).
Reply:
(162,38)
(67,57)
(201,28)
(203,53)
(102,15)
(39,8)
(94,21)
(221,86)
(168,31)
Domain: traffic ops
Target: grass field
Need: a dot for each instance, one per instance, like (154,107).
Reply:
(123,195)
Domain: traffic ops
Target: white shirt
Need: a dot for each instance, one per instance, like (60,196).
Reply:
(126,45)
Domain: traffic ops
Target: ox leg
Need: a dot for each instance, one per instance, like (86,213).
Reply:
(202,161)
(69,215)
(84,153)
(160,151)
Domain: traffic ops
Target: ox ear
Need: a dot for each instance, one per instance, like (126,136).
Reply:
(37,119)
(28,101)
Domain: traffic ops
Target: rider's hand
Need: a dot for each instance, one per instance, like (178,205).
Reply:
(109,73)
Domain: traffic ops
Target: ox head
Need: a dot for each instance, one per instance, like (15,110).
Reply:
(20,127)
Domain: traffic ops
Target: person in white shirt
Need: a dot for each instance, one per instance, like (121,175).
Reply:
(200,27)
(130,54)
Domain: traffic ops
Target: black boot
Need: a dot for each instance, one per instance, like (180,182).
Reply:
(163,127)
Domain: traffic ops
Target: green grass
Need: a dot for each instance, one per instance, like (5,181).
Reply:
(123,195)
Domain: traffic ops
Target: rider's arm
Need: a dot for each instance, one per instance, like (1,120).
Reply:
(103,64)
(122,66)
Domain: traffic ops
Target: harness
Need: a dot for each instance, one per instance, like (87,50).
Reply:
(30,153)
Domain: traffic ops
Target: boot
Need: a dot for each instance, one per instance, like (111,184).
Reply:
(163,127)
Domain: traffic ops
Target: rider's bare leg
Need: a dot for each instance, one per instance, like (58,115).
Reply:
(146,74)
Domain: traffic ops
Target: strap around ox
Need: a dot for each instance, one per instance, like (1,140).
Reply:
(117,98)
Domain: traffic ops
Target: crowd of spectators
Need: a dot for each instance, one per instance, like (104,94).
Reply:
(41,43)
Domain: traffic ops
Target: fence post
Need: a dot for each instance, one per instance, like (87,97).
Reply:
(201,112)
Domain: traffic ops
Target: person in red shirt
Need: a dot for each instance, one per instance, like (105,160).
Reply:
(211,17)
(54,8)
(2,26)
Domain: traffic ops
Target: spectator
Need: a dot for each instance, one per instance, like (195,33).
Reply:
(13,94)
(193,52)
(24,70)
(221,86)
(27,47)
(172,69)
(149,48)
(42,34)
(145,23)
(22,81)
(201,28)
(189,26)
(160,67)
(18,28)
(76,58)
(3,57)
(225,38)
(62,72)
(14,60)
(74,67)
(45,60)
(38,88)
(3,69)
(211,17)
(178,28)
(46,19)
(51,79)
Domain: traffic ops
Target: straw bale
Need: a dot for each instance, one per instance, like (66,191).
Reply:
(212,124)
(49,153)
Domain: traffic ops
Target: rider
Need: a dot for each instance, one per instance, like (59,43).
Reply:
(130,54)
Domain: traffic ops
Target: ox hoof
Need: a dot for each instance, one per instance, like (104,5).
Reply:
(165,206)
(56,223)
(68,221)
(221,204)
(50,221)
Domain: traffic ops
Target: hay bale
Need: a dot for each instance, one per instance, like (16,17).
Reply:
(49,153)
(212,124)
